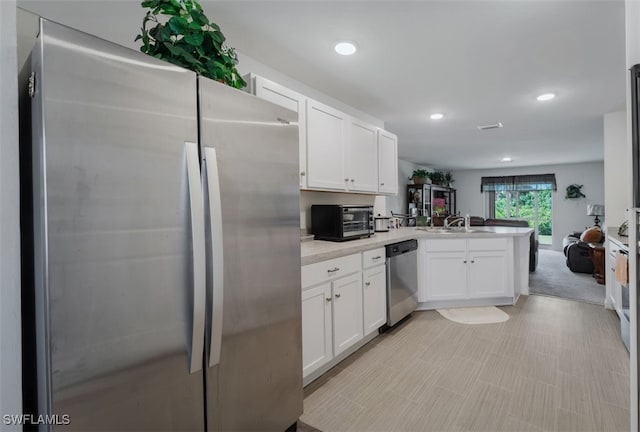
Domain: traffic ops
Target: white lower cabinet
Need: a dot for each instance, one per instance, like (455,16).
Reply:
(316,327)
(455,270)
(488,274)
(374,298)
(446,276)
(347,312)
(341,304)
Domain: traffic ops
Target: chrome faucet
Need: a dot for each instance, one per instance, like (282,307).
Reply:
(454,220)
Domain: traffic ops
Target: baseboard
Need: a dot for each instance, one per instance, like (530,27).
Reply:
(443,304)
(334,361)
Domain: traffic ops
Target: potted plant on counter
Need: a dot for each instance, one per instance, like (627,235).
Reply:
(419,176)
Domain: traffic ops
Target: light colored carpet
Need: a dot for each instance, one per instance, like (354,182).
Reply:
(474,315)
(553,278)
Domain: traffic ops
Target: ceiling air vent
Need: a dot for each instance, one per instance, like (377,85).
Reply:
(490,126)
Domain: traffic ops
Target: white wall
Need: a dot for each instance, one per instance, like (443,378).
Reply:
(10,359)
(568,215)
(617,176)
(398,203)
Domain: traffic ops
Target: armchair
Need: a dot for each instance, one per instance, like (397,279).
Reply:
(576,249)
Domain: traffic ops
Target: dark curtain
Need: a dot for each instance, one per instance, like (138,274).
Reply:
(492,205)
(521,183)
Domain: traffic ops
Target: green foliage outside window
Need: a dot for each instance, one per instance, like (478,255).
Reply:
(523,206)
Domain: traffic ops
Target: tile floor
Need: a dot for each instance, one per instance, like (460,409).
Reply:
(555,365)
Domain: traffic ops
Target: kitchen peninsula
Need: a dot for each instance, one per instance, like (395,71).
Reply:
(487,265)
(344,295)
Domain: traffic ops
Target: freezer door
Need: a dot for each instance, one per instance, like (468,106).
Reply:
(257,383)
(116,270)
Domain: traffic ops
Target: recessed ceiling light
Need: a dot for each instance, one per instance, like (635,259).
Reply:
(546,96)
(436,116)
(345,48)
(506,159)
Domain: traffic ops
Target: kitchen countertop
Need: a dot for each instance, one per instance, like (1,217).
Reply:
(319,250)
(612,234)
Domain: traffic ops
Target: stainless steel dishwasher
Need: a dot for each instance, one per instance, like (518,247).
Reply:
(402,280)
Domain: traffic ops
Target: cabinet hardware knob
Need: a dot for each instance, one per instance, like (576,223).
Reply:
(328,299)
(333,270)
(302,173)
(465,261)
(472,261)
(352,180)
(376,257)
(337,295)
(612,269)
(346,179)
(381,184)
(367,283)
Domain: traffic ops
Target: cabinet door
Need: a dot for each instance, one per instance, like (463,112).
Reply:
(316,327)
(374,294)
(387,162)
(362,157)
(347,312)
(280,95)
(489,274)
(326,129)
(445,276)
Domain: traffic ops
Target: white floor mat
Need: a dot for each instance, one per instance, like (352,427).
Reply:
(475,315)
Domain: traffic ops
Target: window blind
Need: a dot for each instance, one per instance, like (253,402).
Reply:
(521,183)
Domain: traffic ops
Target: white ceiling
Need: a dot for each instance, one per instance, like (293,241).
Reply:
(477,61)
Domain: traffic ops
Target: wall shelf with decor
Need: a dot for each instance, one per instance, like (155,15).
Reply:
(423,197)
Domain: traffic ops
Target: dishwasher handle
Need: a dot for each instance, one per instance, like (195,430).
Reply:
(401,248)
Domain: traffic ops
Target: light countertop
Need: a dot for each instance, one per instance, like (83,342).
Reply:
(612,234)
(318,250)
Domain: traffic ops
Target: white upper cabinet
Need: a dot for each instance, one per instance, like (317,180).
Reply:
(326,141)
(280,95)
(387,162)
(337,152)
(362,157)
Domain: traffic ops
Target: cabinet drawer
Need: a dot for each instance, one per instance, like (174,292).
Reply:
(373,257)
(487,244)
(448,245)
(314,274)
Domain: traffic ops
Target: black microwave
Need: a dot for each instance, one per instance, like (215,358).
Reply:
(341,222)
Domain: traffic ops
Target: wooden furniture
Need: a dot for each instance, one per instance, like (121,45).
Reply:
(597,254)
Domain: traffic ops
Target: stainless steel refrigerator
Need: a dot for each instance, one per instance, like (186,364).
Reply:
(161,253)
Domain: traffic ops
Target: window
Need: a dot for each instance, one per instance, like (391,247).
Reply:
(523,197)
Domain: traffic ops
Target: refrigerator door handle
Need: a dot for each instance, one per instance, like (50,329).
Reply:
(196,201)
(217,254)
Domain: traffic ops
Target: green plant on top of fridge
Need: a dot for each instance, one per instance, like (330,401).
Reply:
(188,39)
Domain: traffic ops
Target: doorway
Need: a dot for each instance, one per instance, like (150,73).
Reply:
(533,206)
